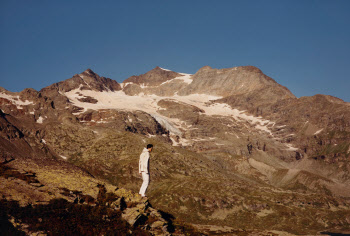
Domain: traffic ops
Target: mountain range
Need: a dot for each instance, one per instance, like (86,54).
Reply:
(235,153)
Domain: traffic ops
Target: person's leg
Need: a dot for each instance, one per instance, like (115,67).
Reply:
(145,182)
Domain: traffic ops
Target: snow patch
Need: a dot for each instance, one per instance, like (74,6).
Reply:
(16,100)
(318,131)
(181,142)
(291,148)
(185,142)
(107,89)
(143,86)
(164,69)
(174,141)
(85,83)
(186,78)
(40,120)
(167,124)
(123,85)
(264,128)
(101,122)
(203,139)
(226,110)
(148,103)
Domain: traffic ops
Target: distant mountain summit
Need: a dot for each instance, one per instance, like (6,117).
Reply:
(247,82)
(154,77)
(87,80)
(235,81)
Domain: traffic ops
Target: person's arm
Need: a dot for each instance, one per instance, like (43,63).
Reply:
(140,164)
(144,163)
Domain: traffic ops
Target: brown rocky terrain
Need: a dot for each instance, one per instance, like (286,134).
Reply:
(158,81)
(234,81)
(155,77)
(86,80)
(235,152)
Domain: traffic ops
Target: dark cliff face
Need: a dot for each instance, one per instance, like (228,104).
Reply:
(20,140)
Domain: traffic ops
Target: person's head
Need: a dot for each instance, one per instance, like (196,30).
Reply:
(150,147)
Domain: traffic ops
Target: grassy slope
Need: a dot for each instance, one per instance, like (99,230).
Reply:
(199,190)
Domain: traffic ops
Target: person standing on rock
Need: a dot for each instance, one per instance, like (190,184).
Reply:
(143,168)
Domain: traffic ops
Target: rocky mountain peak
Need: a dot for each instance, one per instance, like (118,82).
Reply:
(329,98)
(3,90)
(233,81)
(157,68)
(205,68)
(87,80)
(250,69)
(153,77)
(29,93)
(89,72)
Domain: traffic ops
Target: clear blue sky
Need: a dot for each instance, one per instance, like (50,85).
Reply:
(302,44)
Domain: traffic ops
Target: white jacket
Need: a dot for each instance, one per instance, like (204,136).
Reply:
(143,163)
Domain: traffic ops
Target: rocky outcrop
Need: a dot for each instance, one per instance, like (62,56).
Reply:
(167,89)
(171,108)
(320,124)
(154,77)
(87,80)
(117,210)
(7,130)
(257,100)
(135,122)
(88,99)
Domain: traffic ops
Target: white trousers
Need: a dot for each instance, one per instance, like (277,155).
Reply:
(145,177)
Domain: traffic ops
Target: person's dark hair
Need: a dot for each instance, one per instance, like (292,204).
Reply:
(149,146)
